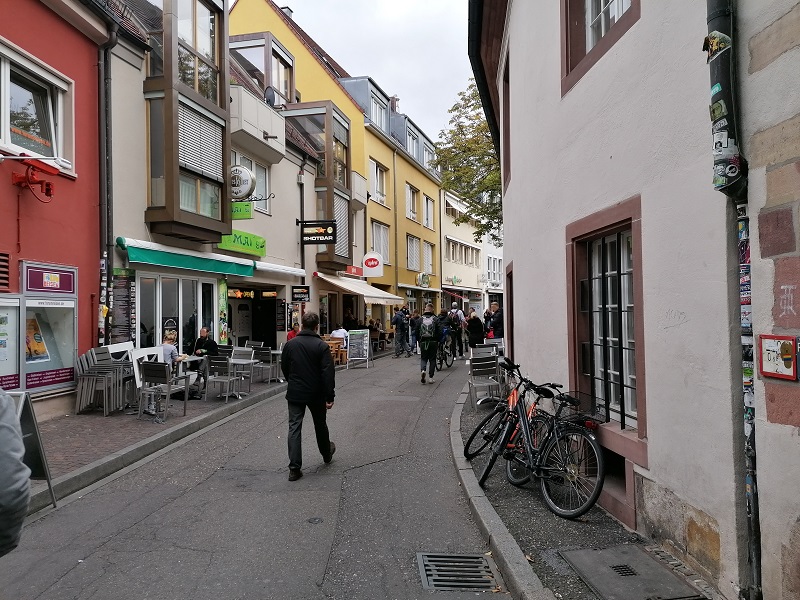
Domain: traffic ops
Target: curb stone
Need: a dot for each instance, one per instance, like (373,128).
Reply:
(521,581)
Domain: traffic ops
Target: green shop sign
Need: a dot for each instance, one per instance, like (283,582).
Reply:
(246,243)
(241,210)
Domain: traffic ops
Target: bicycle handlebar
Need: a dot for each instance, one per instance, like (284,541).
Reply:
(545,390)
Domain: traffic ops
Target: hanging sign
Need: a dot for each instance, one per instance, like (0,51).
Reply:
(301,293)
(246,243)
(373,264)
(243,182)
(51,280)
(423,280)
(318,232)
(241,210)
(354,270)
(778,355)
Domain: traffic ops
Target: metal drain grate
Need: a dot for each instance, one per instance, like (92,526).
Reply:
(623,570)
(455,572)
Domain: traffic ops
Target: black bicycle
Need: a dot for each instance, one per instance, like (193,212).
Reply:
(561,453)
(444,355)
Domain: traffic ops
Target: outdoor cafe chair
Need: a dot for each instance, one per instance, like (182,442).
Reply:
(220,373)
(484,373)
(265,363)
(252,344)
(244,371)
(159,383)
(224,350)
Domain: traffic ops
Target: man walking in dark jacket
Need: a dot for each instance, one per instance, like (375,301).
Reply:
(14,476)
(308,368)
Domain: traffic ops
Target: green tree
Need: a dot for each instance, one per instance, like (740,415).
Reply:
(470,167)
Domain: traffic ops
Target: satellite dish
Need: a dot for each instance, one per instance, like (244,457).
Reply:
(269,96)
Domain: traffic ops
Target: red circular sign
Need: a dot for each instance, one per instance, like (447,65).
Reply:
(371,263)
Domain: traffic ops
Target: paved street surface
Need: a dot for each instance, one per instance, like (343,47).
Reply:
(215,517)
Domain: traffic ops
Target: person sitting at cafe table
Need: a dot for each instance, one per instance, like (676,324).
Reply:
(340,332)
(203,346)
(171,355)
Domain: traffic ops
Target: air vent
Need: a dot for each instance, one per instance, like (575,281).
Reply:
(5,272)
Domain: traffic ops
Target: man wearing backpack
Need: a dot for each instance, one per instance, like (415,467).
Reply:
(400,324)
(428,333)
(457,322)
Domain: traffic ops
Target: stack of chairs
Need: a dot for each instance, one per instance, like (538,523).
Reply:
(109,376)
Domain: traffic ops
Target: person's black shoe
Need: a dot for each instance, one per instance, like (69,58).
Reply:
(329,457)
(295,474)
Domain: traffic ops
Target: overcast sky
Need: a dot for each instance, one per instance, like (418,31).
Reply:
(415,49)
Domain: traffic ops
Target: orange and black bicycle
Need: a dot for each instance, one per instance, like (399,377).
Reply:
(561,452)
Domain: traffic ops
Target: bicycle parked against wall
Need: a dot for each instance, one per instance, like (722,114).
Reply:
(560,452)
(444,354)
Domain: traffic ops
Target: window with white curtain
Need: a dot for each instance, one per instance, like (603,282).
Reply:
(377,182)
(380,241)
(412,195)
(378,113)
(427,258)
(412,244)
(428,215)
(600,16)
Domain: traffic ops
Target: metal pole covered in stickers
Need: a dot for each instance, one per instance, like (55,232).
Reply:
(730,178)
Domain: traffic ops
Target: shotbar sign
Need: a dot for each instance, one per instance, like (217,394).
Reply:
(317,232)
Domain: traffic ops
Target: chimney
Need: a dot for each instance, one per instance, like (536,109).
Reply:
(287,11)
(393,103)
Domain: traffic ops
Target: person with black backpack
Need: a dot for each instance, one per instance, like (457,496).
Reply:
(428,332)
(456,322)
(400,324)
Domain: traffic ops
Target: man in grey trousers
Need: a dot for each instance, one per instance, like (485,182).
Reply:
(15,487)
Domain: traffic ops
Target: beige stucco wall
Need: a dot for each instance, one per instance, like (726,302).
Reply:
(770,95)
(469,276)
(636,123)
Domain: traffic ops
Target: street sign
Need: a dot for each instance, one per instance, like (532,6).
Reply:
(301,293)
(317,232)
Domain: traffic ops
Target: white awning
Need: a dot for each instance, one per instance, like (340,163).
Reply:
(372,295)
(275,268)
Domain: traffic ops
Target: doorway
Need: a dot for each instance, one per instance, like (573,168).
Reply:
(265,322)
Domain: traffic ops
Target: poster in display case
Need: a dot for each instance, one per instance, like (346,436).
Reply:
(49,342)
(9,343)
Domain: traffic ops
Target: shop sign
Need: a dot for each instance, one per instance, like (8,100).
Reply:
(373,265)
(423,280)
(778,355)
(241,210)
(318,232)
(301,293)
(269,294)
(455,280)
(45,378)
(235,293)
(246,243)
(222,298)
(59,281)
(243,182)
(355,270)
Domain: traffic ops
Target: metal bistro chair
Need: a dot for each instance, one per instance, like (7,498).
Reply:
(484,373)
(224,350)
(252,344)
(265,363)
(220,372)
(244,371)
(90,382)
(122,369)
(159,383)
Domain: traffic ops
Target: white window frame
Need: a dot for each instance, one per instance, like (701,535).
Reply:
(377,181)
(600,17)
(382,239)
(378,113)
(427,257)
(412,195)
(413,144)
(413,253)
(429,212)
(60,102)
(427,156)
(265,205)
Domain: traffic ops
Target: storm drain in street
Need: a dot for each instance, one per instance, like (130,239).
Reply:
(455,572)
(628,572)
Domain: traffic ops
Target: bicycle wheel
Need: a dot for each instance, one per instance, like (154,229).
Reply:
(498,444)
(517,472)
(449,357)
(483,434)
(572,473)
(439,358)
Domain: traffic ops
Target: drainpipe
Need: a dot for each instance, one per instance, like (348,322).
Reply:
(396,225)
(730,178)
(301,177)
(106,175)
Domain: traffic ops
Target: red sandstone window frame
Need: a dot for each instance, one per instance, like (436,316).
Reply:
(575,60)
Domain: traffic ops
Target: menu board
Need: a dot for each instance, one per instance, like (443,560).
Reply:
(280,316)
(123,311)
(358,346)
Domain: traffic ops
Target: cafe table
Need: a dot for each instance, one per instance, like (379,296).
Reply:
(236,363)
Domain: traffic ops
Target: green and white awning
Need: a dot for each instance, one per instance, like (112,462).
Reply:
(151,253)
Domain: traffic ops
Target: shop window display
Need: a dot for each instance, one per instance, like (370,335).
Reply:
(49,343)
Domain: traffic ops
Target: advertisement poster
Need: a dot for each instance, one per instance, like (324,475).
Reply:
(222,287)
(35,347)
(3,337)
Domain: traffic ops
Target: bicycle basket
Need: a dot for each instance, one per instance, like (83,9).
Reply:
(590,408)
